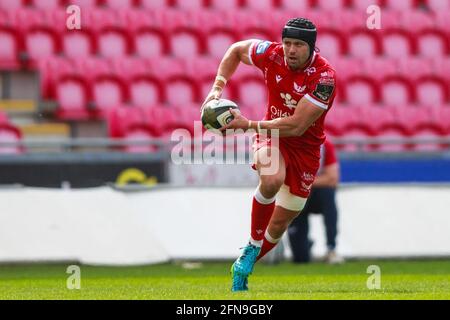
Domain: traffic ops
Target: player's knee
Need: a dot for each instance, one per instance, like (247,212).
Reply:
(289,201)
(271,184)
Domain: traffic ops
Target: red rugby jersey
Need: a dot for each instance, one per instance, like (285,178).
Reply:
(316,82)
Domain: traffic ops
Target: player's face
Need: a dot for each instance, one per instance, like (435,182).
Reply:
(296,52)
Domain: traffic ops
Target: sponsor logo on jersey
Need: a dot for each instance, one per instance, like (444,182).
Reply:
(276,113)
(262,47)
(299,89)
(288,101)
(278,78)
(308,177)
(310,70)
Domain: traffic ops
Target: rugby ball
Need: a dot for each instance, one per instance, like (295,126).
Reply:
(216,113)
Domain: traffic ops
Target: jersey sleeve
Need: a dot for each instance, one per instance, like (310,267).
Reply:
(330,154)
(322,89)
(259,52)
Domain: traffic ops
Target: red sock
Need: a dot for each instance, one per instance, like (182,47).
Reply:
(268,244)
(262,210)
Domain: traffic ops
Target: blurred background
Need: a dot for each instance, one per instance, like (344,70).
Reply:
(86,116)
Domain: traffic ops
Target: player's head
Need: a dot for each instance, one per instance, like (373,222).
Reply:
(299,41)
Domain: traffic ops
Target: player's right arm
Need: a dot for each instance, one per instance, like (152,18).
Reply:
(236,53)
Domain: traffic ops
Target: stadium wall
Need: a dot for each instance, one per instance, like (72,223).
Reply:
(106,226)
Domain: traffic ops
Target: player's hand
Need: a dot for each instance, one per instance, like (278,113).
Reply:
(239,121)
(214,94)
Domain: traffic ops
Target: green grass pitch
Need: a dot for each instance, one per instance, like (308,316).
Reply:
(427,279)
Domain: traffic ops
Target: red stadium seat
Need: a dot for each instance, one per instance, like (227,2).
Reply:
(119,4)
(361,91)
(295,4)
(10,133)
(108,92)
(9,48)
(376,117)
(414,67)
(181,90)
(401,5)
(430,133)
(432,44)
(259,4)
(397,90)
(414,21)
(392,132)
(331,4)
(229,4)
(149,42)
(186,43)
(379,67)
(252,91)
(11,4)
(72,95)
(331,43)
(78,44)
(113,42)
(361,133)
(191,4)
(51,69)
(347,67)
(41,43)
(219,40)
(363,43)
(364,4)
(154,4)
(397,43)
(257,33)
(46,4)
(84,3)
(146,91)
(432,91)
(438,5)
(140,134)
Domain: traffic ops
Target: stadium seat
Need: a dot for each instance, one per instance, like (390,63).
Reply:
(363,43)
(331,4)
(379,67)
(364,4)
(72,95)
(438,5)
(11,4)
(414,67)
(154,4)
(331,43)
(84,3)
(397,43)
(189,5)
(360,90)
(229,4)
(186,43)
(413,21)
(10,133)
(146,91)
(41,43)
(430,133)
(9,48)
(397,90)
(257,33)
(108,92)
(295,4)
(45,4)
(219,40)
(391,132)
(140,134)
(181,90)
(432,91)
(51,69)
(113,42)
(252,91)
(78,44)
(406,5)
(150,43)
(259,4)
(359,133)
(432,44)
(118,4)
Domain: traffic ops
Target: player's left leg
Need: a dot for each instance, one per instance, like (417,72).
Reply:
(287,208)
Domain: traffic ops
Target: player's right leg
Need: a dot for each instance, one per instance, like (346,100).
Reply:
(262,209)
